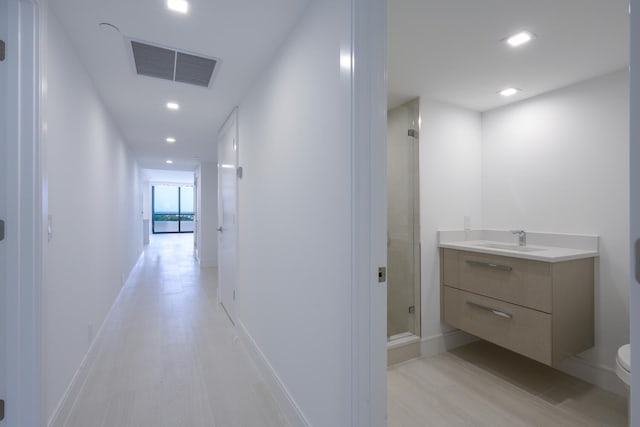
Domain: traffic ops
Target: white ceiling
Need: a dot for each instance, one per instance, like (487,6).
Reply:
(451,50)
(242,33)
(448,50)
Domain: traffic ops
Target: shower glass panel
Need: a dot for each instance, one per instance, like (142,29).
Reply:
(403,211)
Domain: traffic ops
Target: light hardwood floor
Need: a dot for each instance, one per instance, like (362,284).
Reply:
(168,355)
(484,385)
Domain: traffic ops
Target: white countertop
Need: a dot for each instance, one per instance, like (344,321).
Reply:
(546,247)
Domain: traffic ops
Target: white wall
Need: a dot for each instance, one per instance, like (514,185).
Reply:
(635,206)
(146,199)
(559,163)
(95,200)
(207,214)
(198,206)
(450,189)
(295,214)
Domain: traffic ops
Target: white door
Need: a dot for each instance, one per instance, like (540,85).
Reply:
(3,199)
(228,213)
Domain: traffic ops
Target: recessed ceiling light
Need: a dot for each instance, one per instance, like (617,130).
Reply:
(519,39)
(169,162)
(173,105)
(509,92)
(171,140)
(181,6)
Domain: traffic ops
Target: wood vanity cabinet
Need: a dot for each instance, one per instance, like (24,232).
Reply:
(539,309)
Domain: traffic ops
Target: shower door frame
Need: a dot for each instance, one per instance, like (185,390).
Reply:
(417,247)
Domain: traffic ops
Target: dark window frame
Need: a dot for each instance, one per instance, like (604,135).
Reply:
(153,214)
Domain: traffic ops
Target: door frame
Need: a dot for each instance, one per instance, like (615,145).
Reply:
(634,187)
(25,216)
(368,316)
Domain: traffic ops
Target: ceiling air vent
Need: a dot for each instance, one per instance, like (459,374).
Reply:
(171,64)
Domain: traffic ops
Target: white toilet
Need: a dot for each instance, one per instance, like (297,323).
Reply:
(623,370)
(623,364)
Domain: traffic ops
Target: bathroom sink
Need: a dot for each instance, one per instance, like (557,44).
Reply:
(508,247)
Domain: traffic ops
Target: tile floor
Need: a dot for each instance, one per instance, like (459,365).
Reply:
(168,355)
(484,385)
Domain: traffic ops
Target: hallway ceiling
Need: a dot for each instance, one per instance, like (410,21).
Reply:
(451,50)
(448,50)
(243,34)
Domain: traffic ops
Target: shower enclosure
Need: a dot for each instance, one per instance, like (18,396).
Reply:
(403,215)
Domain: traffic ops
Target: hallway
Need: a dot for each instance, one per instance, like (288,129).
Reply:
(168,355)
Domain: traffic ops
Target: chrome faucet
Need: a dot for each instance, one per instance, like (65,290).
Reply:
(522,237)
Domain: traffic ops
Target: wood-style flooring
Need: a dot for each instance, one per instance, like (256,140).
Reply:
(484,385)
(169,356)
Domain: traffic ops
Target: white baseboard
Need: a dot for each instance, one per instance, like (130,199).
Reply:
(593,373)
(67,402)
(430,346)
(287,404)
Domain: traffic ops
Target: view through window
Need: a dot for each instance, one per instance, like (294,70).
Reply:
(172,209)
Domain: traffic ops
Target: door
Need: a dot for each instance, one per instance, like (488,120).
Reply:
(3,197)
(228,213)
(403,221)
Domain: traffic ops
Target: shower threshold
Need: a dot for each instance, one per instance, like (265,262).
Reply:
(402,347)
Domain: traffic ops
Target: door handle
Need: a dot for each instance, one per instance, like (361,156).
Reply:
(219,229)
(489,265)
(491,310)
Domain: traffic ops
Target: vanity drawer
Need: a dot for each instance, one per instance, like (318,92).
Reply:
(519,329)
(519,281)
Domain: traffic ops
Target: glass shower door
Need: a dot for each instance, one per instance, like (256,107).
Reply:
(403,209)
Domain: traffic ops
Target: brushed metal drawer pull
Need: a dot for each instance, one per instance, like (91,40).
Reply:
(491,310)
(489,264)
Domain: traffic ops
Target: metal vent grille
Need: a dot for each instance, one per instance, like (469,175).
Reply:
(195,70)
(170,64)
(153,61)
